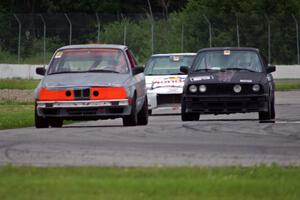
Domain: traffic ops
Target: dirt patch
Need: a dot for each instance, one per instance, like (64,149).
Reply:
(16,95)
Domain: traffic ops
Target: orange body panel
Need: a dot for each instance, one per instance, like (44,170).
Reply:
(104,93)
(107,93)
(55,95)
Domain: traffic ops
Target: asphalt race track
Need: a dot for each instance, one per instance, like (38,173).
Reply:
(214,140)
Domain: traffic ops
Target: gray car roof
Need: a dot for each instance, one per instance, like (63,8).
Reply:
(229,48)
(174,54)
(92,46)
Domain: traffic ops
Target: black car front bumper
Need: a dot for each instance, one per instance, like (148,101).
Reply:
(225,104)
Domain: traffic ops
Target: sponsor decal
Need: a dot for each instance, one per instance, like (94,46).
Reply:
(176,58)
(58,54)
(168,81)
(226,52)
(200,78)
(246,81)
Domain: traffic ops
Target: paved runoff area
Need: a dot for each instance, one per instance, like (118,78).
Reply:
(221,140)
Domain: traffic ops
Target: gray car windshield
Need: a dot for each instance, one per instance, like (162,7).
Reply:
(167,65)
(227,60)
(89,60)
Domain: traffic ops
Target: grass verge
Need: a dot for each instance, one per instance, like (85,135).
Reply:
(16,115)
(287,84)
(150,183)
(18,84)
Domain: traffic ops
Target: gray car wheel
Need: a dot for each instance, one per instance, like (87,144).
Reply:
(40,122)
(132,119)
(143,114)
(56,122)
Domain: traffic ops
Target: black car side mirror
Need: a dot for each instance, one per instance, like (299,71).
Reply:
(40,71)
(184,69)
(271,68)
(137,70)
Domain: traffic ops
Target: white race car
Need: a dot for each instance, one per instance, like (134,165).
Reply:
(164,81)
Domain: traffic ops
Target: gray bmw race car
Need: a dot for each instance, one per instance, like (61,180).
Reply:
(228,80)
(90,82)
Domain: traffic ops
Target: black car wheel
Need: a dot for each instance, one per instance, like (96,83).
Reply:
(56,122)
(273,114)
(40,122)
(188,116)
(143,114)
(131,120)
(269,115)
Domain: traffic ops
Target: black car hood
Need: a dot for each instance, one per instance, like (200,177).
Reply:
(229,76)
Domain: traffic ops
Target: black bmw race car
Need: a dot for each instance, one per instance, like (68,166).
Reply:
(228,80)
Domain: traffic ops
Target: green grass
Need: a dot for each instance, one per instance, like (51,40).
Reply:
(16,115)
(274,183)
(18,84)
(287,84)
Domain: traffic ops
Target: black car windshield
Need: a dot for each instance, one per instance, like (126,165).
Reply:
(89,60)
(227,60)
(167,65)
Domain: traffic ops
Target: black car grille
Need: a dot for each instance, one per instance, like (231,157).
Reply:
(82,94)
(163,99)
(226,104)
(227,89)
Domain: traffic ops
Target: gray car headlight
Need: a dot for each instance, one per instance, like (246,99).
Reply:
(256,88)
(193,88)
(237,88)
(202,88)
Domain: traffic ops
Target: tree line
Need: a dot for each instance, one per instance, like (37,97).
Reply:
(181,25)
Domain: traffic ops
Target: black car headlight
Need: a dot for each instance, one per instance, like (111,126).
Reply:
(202,88)
(256,88)
(193,88)
(237,88)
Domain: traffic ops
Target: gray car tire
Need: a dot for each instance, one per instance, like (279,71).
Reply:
(132,119)
(143,114)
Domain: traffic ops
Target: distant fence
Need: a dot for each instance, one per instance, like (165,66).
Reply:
(28,71)
(32,38)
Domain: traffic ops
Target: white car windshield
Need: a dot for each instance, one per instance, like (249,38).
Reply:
(89,60)
(227,60)
(167,65)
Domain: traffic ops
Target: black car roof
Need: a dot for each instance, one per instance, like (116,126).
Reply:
(229,48)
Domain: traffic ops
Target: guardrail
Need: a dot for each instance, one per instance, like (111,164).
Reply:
(28,71)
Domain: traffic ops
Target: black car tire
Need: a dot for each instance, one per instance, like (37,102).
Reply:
(149,112)
(40,122)
(188,116)
(270,114)
(131,120)
(273,113)
(56,122)
(143,114)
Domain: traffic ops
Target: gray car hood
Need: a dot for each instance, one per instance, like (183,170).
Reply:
(85,80)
